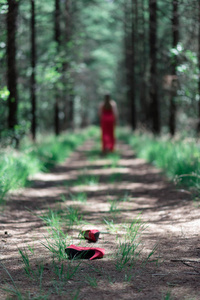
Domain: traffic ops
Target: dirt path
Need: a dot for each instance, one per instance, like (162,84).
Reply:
(108,194)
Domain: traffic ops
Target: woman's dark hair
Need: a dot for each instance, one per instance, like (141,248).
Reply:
(107,96)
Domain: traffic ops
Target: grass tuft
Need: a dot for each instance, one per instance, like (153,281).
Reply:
(129,250)
(80,197)
(87,180)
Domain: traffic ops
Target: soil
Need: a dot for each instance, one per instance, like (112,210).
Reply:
(125,191)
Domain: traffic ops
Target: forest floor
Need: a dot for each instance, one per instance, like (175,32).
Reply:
(120,195)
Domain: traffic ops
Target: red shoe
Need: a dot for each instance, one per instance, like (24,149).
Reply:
(75,252)
(91,235)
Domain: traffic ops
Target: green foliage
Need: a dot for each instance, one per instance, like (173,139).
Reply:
(17,166)
(4,93)
(101,38)
(14,171)
(175,157)
(90,60)
(3,7)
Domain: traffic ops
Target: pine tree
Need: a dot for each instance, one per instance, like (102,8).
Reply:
(11,63)
(33,67)
(154,104)
(175,37)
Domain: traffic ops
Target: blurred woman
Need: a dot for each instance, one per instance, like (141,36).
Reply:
(108,117)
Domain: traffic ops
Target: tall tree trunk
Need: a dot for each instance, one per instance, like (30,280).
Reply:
(65,69)
(132,65)
(198,125)
(69,32)
(175,35)
(33,65)
(154,105)
(128,54)
(11,62)
(143,67)
(57,40)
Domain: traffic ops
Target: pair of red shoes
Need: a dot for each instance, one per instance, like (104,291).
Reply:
(75,252)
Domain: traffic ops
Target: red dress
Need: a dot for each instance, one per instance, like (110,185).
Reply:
(107,127)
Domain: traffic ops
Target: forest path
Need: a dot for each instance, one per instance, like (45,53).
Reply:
(116,189)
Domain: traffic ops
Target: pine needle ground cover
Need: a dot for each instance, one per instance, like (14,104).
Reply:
(148,230)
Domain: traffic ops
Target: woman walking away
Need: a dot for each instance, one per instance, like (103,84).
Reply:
(108,117)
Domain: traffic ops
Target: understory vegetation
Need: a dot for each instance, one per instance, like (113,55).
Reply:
(17,165)
(179,158)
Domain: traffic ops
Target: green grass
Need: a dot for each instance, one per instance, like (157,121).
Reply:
(86,179)
(92,281)
(80,197)
(180,159)
(65,272)
(56,245)
(73,216)
(167,296)
(59,273)
(55,220)
(115,177)
(52,219)
(94,154)
(12,288)
(125,198)
(114,157)
(113,210)
(56,242)
(128,250)
(17,166)
(27,266)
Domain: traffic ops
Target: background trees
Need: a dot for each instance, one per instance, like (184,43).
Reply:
(12,12)
(33,66)
(145,53)
(153,86)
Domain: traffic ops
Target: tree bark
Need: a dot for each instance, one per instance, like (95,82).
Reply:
(154,104)
(132,65)
(33,66)
(198,125)
(57,40)
(143,68)
(127,54)
(175,36)
(69,24)
(68,118)
(11,63)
